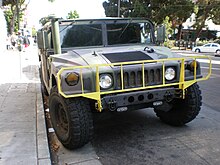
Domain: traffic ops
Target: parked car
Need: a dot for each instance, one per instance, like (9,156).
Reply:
(210,47)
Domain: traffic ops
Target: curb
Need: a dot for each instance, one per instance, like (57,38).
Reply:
(43,153)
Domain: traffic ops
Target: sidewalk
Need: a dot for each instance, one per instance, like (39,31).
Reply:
(22,124)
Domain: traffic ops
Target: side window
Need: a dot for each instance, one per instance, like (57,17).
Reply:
(214,45)
(207,45)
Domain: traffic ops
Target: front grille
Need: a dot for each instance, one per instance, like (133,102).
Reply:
(133,78)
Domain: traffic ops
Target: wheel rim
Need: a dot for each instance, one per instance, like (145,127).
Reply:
(62,120)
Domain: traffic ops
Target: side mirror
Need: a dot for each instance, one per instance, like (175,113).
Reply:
(161,32)
(42,40)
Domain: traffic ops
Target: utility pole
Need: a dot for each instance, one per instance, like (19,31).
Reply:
(18,13)
(119,6)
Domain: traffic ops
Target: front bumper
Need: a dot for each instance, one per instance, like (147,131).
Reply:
(147,98)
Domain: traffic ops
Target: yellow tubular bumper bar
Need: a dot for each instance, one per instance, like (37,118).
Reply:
(96,95)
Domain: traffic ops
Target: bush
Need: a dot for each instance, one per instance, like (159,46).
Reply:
(169,43)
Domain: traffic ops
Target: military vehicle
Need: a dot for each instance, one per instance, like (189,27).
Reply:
(113,65)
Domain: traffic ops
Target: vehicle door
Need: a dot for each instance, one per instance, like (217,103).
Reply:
(214,47)
(206,48)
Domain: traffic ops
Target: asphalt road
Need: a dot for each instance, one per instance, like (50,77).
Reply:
(139,137)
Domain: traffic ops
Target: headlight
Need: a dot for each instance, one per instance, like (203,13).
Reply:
(105,81)
(72,79)
(170,74)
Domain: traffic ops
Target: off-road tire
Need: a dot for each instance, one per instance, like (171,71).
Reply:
(184,110)
(71,119)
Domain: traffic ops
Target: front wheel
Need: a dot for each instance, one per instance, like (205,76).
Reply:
(197,51)
(184,110)
(71,120)
(217,51)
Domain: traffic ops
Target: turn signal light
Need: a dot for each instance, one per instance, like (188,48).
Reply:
(192,64)
(72,79)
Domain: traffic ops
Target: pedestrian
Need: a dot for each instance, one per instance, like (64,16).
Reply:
(13,40)
(8,42)
(26,42)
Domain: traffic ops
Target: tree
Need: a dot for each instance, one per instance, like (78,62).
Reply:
(15,10)
(44,20)
(111,8)
(206,10)
(72,15)
(177,10)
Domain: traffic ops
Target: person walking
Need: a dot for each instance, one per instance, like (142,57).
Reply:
(13,40)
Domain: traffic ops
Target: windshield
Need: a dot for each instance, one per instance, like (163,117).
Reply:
(129,33)
(80,35)
(111,33)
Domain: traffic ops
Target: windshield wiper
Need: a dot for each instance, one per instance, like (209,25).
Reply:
(67,26)
(125,28)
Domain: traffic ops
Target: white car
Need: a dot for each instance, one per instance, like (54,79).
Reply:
(210,47)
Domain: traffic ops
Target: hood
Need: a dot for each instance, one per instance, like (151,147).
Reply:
(123,54)
(115,54)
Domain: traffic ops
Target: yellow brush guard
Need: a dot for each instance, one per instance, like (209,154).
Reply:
(97,94)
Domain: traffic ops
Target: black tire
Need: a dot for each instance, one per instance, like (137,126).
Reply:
(197,50)
(43,87)
(71,120)
(217,51)
(184,110)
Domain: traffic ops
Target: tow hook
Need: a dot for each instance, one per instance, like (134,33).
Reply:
(112,105)
(168,97)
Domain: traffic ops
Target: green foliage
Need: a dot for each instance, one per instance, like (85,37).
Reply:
(206,10)
(72,15)
(169,43)
(178,11)
(8,2)
(11,13)
(157,10)
(168,25)
(8,16)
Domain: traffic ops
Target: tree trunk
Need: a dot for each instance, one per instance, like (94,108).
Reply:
(179,34)
(12,21)
(198,32)
(205,16)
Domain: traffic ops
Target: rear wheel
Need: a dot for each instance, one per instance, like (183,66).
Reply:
(218,51)
(184,110)
(71,119)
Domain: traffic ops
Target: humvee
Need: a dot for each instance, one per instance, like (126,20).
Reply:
(113,65)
